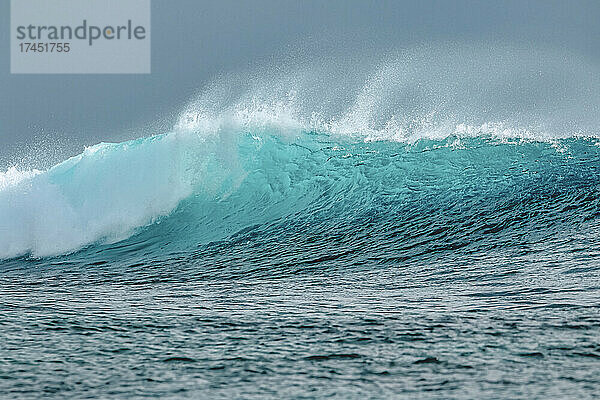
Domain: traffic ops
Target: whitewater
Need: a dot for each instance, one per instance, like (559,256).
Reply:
(426,221)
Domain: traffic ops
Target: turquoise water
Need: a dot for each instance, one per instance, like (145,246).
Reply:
(304,267)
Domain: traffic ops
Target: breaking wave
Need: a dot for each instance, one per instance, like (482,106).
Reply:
(426,151)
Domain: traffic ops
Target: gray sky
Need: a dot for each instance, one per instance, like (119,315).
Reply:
(193,41)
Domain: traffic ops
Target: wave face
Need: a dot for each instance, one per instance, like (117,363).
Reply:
(408,199)
(433,217)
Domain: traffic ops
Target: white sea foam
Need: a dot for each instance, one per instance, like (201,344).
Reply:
(13,176)
(103,194)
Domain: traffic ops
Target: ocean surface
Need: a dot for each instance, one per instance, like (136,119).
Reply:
(251,253)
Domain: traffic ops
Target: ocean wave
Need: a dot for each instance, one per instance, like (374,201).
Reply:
(203,189)
(448,152)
